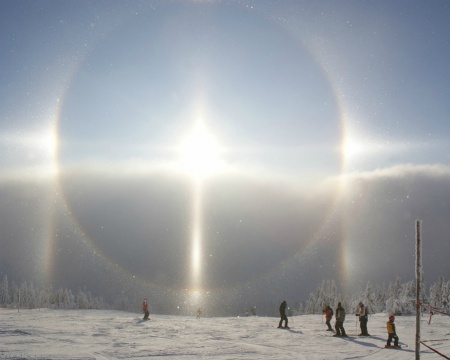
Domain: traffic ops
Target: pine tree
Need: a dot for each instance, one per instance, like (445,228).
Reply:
(446,294)
(436,293)
(370,298)
(4,292)
(14,295)
(392,303)
(407,298)
(380,301)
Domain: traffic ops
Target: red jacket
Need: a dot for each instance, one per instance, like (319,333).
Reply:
(328,313)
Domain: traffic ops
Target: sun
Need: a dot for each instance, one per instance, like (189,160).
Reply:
(358,148)
(353,148)
(200,152)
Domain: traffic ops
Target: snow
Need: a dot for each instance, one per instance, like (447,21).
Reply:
(107,334)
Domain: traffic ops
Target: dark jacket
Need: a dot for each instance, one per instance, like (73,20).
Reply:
(340,314)
(283,307)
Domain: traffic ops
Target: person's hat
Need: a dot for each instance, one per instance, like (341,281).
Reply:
(391,318)
(339,304)
(361,304)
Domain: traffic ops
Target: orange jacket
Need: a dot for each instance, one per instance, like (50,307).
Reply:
(144,307)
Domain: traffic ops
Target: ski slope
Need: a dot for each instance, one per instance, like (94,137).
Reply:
(106,334)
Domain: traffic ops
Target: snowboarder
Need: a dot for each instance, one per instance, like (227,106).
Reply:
(145,309)
(362,313)
(283,316)
(199,313)
(328,317)
(340,318)
(391,332)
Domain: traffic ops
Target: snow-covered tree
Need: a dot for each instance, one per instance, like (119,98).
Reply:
(446,294)
(436,293)
(15,295)
(4,292)
(380,301)
(326,294)
(392,303)
(370,298)
(407,296)
(311,304)
(82,301)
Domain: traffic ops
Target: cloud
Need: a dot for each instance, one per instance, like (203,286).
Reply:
(379,210)
(262,236)
(402,170)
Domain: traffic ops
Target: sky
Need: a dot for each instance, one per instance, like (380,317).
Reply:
(223,151)
(101,334)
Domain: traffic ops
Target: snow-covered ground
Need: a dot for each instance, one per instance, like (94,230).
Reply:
(104,334)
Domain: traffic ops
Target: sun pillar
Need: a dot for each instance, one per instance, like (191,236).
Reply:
(196,243)
(199,158)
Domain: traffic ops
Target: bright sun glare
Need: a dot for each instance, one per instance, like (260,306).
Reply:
(199,152)
(39,148)
(356,147)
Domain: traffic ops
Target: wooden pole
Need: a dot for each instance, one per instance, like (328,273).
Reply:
(418,282)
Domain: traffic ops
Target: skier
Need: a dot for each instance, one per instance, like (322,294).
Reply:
(328,317)
(362,313)
(145,309)
(391,332)
(199,313)
(283,316)
(340,318)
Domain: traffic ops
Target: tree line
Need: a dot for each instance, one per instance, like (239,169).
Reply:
(394,298)
(26,296)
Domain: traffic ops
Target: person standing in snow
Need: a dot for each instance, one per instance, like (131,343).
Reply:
(199,313)
(391,332)
(328,317)
(145,309)
(362,313)
(283,316)
(340,318)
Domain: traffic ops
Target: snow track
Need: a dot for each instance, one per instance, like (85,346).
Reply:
(101,334)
